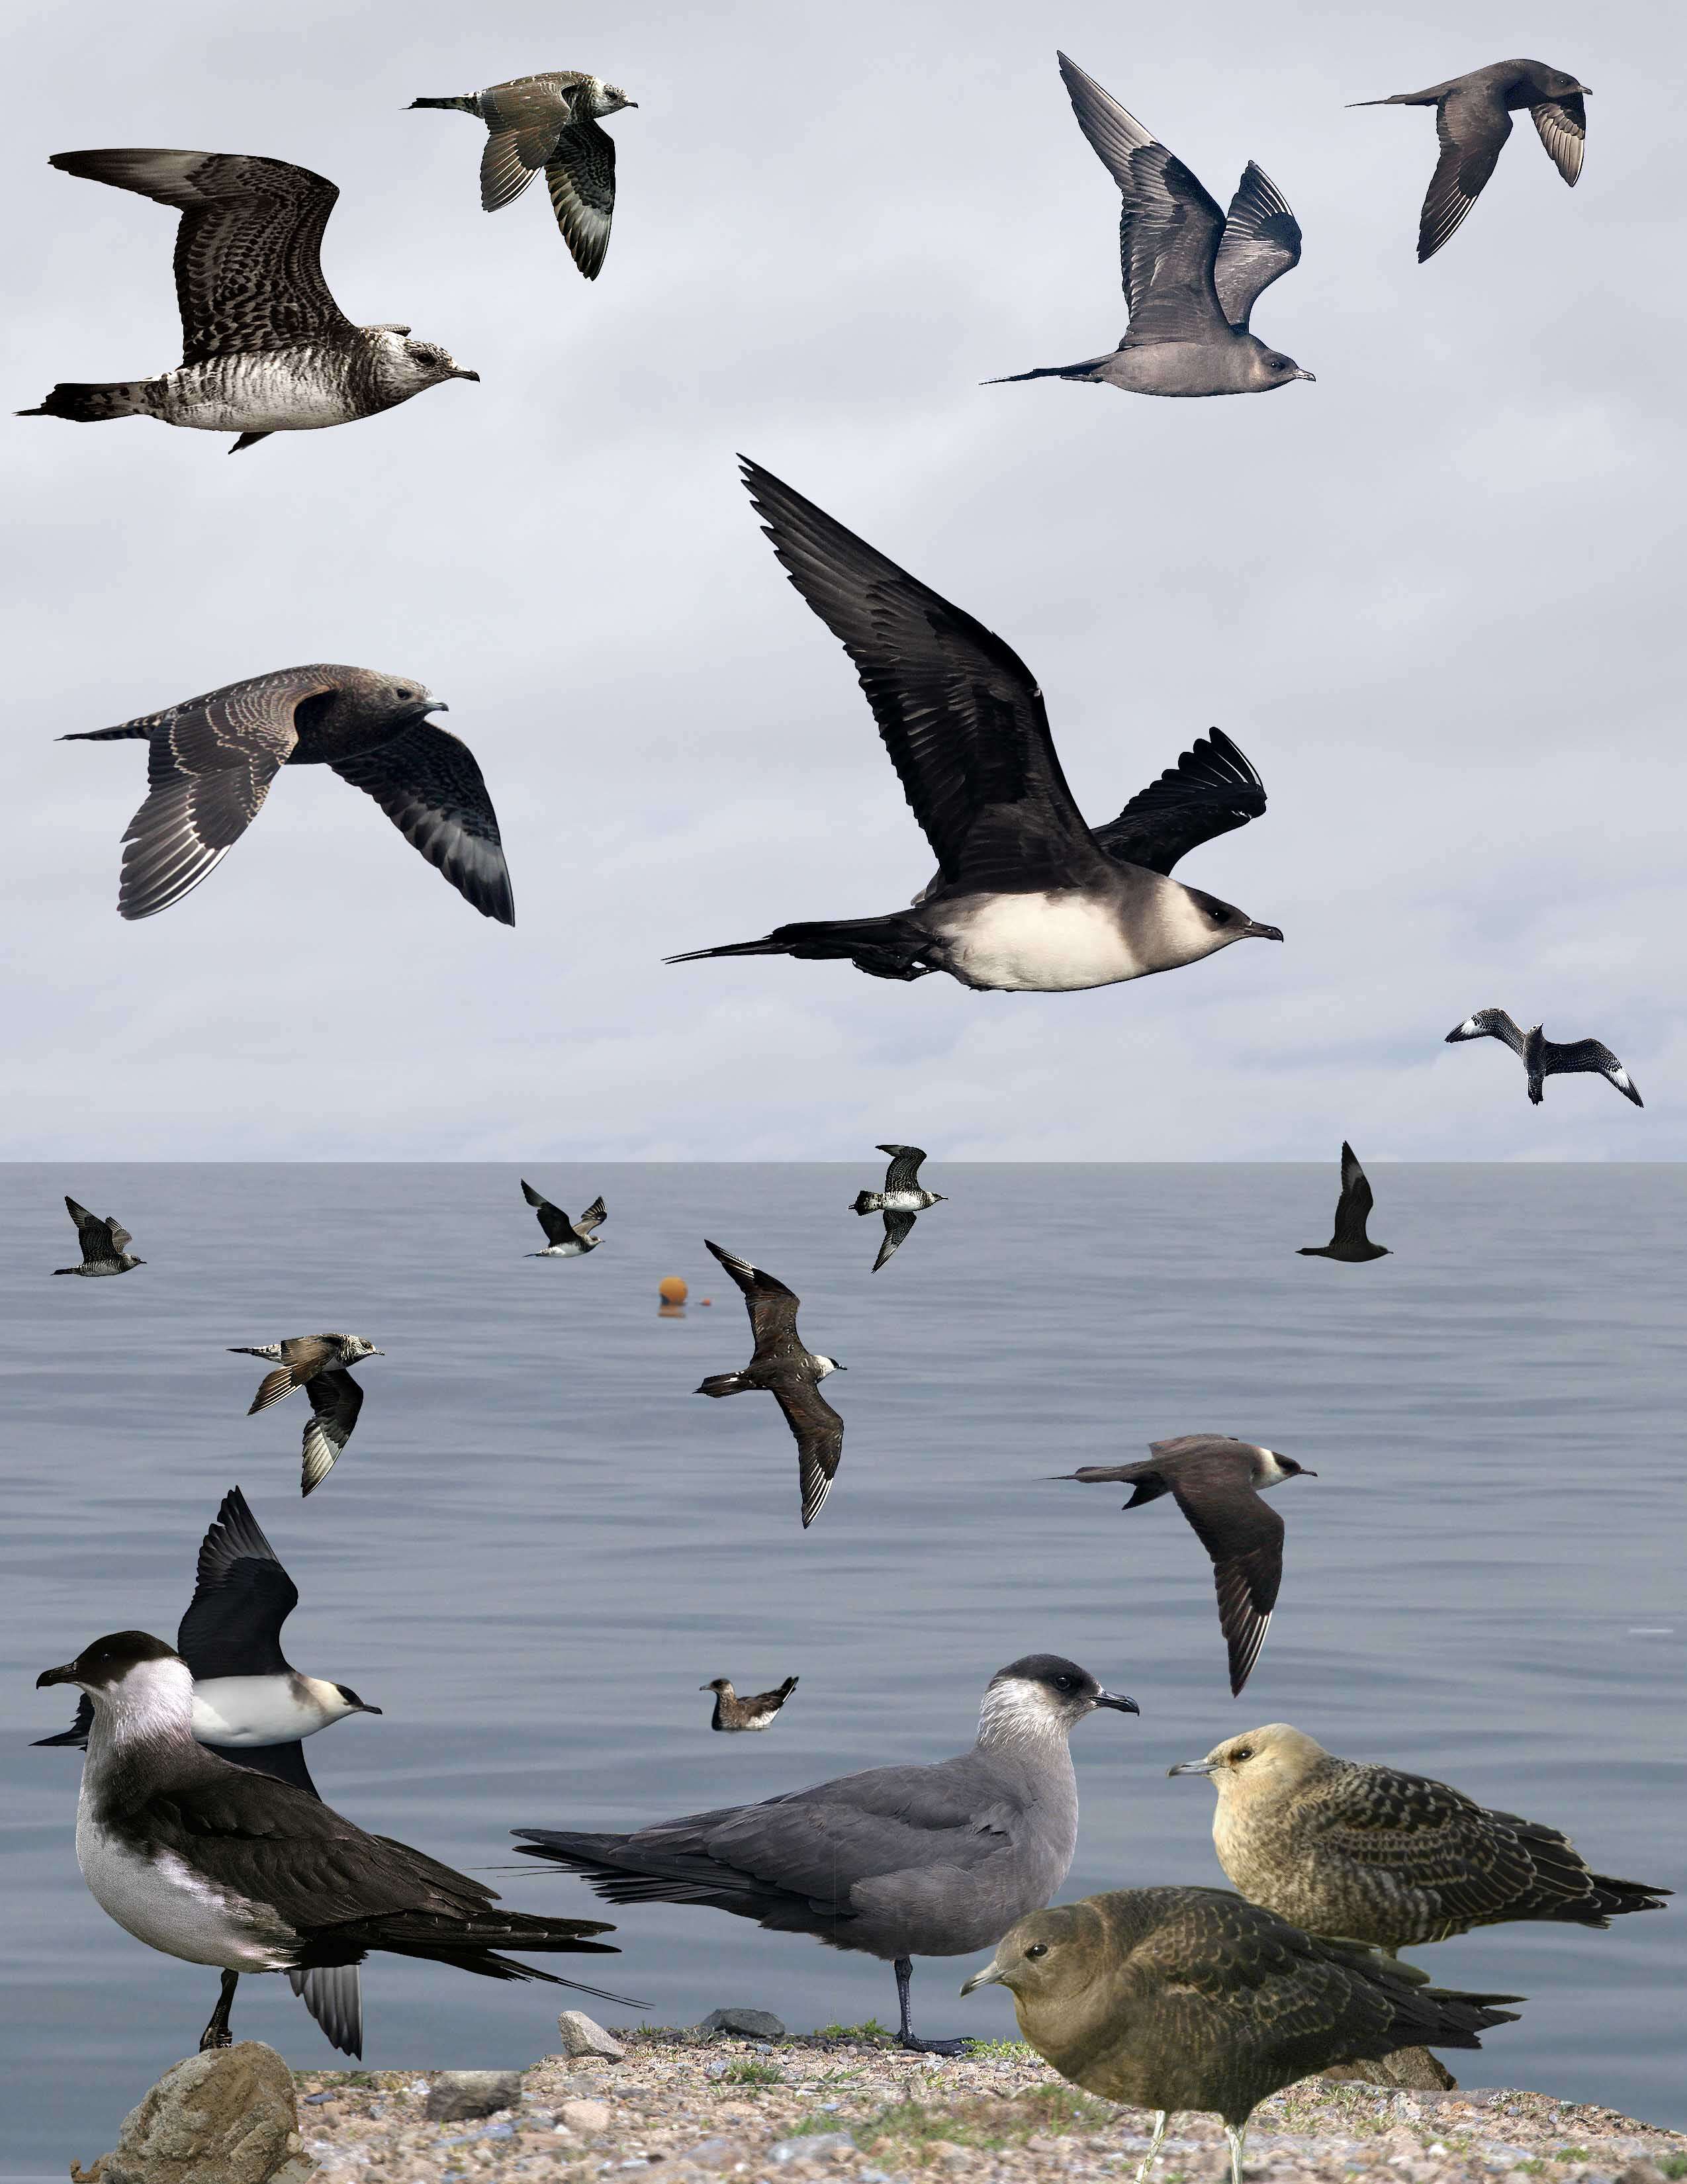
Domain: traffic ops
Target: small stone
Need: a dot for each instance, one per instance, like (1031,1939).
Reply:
(748,2024)
(456,2095)
(814,2146)
(1640,2172)
(947,2152)
(229,2113)
(584,2115)
(581,2037)
(720,2154)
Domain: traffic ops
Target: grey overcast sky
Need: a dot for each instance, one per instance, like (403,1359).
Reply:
(1436,597)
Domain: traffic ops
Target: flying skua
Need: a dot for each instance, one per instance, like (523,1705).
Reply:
(901,1201)
(105,1243)
(1543,1057)
(1352,1211)
(791,1372)
(565,1238)
(320,1364)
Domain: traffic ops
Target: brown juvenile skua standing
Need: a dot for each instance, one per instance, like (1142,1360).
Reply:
(730,1712)
(1174,1998)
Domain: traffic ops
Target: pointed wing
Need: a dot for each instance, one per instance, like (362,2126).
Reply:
(1211,789)
(903,1172)
(121,1238)
(242,1597)
(773,1307)
(1244,1535)
(1489,1023)
(556,1224)
(77,1736)
(1587,1056)
(897,1227)
(1261,243)
(1169,227)
(427,782)
(1563,126)
(594,1217)
(94,1235)
(581,176)
(249,269)
(819,1434)
(336,1398)
(505,173)
(1472,131)
(209,764)
(1353,1207)
(958,711)
(333,1993)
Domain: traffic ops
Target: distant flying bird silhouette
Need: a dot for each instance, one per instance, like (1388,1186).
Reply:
(211,759)
(1474,118)
(1192,273)
(266,349)
(1543,1057)
(317,1364)
(1352,1211)
(551,121)
(105,1243)
(565,1238)
(901,1201)
(791,1372)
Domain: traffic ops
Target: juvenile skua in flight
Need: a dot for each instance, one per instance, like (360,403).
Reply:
(1543,1057)
(1472,120)
(1352,1211)
(551,121)
(896,1862)
(210,761)
(791,1372)
(565,1238)
(266,349)
(901,1201)
(732,1713)
(1216,1481)
(318,1364)
(1192,273)
(1028,898)
(105,1243)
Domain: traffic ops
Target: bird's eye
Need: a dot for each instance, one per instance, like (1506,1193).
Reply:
(1219,915)
(404,693)
(1066,1683)
(1246,1753)
(1036,1949)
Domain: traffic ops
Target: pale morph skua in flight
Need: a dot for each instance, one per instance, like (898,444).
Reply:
(210,761)
(317,1364)
(901,1201)
(565,1238)
(1188,1998)
(1374,1854)
(266,349)
(1028,900)
(732,1713)
(1192,273)
(1216,1481)
(551,121)
(1352,1211)
(896,1862)
(791,1372)
(219,1866)
(105,1243)
(1543,1057)
(1472,120)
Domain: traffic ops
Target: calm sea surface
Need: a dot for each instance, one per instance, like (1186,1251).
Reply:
(540,1544)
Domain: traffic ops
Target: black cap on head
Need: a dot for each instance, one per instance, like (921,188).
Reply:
(109,1660)
(1064,1680)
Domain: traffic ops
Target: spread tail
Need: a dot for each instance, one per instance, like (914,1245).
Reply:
(456,105)
(93,404)
(884,947)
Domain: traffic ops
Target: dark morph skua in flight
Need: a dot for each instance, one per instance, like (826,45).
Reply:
(1352,1211)
(791,1372)
(901,1201)
(1472,120)
(1192,273)
(105,1243)
(210,761)
(317,1364)
(1029,899)
(565,1238)
(1543,1057)
(551,121)
(266,349)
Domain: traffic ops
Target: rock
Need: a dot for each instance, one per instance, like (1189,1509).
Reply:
(584,2115)
(456,2095)
(581,2036)
(748,2024)
(1414,2068)
(724,2155)
(228,2116)
(1640,2172)
(816,2146)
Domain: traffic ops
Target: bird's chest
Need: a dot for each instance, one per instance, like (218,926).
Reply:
(904,1201)
(160,1900)
(237,1710)
(1037,944)
(296,390)
(573,1250)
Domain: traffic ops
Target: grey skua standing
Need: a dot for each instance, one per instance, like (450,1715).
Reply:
(1178,1998)
(266,349)
(1472,120)
(219,1866)
(551,121)
(1192,273)
(1352,1211)
(318,1364)
(1216,1481)
(730,1712)
(896,1862)
(902,1200)
(210,761)
(790,1371)
(105,1243)
(1345,1846)
(1028,900)
(565,1238)
(1543,1057)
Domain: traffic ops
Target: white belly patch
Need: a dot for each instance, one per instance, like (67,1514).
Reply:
(1039,943)
(162,1902)
(251,1710)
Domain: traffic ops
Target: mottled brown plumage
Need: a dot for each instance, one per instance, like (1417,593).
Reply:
(317,1364)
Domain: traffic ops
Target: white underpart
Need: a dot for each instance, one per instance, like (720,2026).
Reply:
(902,1201)
(1041,944)
(253,1710)
(568,1250)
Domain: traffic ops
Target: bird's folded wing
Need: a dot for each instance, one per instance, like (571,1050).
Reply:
(1261,243)
(1431,1838)
(581,176)
(823,1844)
(1471,134)
(957,709)
(1353,1207)
(336,1398)
(773,1307)
(427,782)
(1563,126)
(896,1230)
(903,1172)
(233,1623)
(209,764)
(1211,789)
(553,1220)
(249,269)
(819,1435)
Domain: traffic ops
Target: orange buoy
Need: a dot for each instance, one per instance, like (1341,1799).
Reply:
(671,1289)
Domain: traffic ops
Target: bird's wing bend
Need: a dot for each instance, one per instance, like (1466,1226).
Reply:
(1212,789)
(427,782)
(242,1597)
(1261,243)
(1563,126)
(336,1398)
(773,1307)
(581,176)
